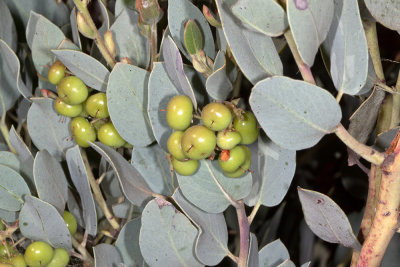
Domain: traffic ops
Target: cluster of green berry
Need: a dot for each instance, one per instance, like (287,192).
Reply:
(38,253)
(235,128)
(90,113)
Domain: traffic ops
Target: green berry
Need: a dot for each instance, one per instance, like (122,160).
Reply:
(243,168)
(56,72)
(38,254)
(18,261)
(67,110)
(216,116)
(247,127)
(60,258)
(96,106)
(70,221)
(174,145)
(82,131)
(186,167)
(179,112)
(198,142)
(228,139)
(72,90)
(237,156)
(108,135)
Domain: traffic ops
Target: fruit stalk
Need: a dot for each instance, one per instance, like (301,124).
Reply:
(82,250)
(244,228)
(385,221)
(97,37)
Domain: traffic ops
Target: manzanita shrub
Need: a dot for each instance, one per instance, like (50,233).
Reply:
(164,133)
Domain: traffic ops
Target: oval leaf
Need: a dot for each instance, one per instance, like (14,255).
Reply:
(348,55)
(12,189)
(174,68)
(24,155)
(326,219)
(255,53)
(167,237)
(386,12)
(212,241)
(79,177)
(127,104)
(153,165)
(10,78)
(10,160)
(218,84)
(49,130)
(50,180)
(128,39)
(106,255)
(45,37)
(210,190)
(161,90)
(40,221)
(179,12)
(294,114)
(193,38)
(8,32)
(8,216)
(55,11)
(128,243)
(74,29)
(273,254)
(273,171)
(266,16)
(133,186)
(309,22)
(89,69)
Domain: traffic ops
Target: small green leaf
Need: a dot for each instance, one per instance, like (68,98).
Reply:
(193,37)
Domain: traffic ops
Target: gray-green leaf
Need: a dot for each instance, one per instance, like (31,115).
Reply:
(293,113)
(106,255)
(47,129)
(274,169)
(51,183)
(8,32)
(180,11)
(167,237)
(40,221)
(12,189)
(273,254)
(128,39)
(266,16)
(386,12)
(212,241)
(127,103)
(212,191)
(80,179)
(346,46)
(89,69)
(218,84)
(309,22)
(326,219)
(153,165)
(255,53)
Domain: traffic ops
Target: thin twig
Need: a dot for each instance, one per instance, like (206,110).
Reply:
(82,250)
(98,196)
(254,212)
(244,227)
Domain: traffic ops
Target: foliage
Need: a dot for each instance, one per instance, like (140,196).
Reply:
(283,61)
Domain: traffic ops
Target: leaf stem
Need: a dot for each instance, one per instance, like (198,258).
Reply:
(244,227)
(82,7)
(254,212)
(303,67)
(82,250)
(368,153)
(98,196)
